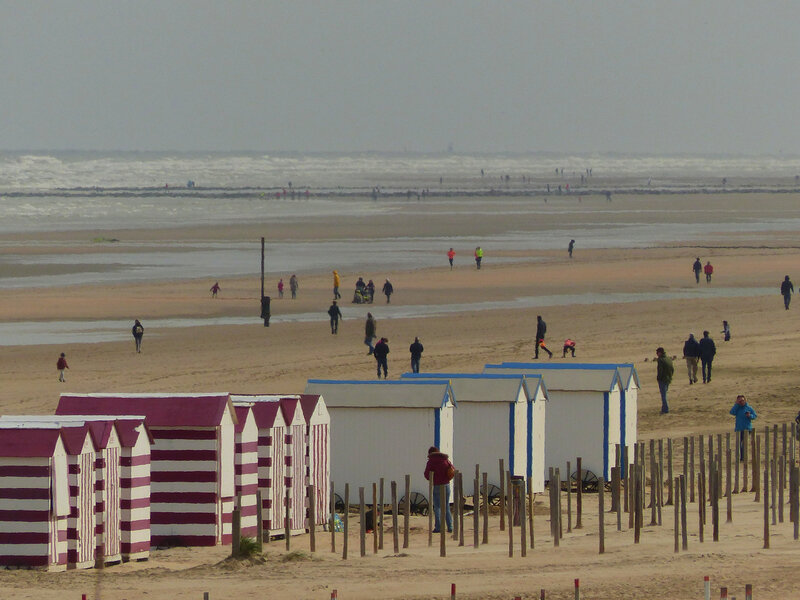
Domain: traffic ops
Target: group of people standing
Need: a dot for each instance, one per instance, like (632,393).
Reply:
(381,350)
(708,270)
(451,255)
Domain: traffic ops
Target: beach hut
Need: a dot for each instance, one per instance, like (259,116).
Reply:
(271,425)
(192,460)
(34,499)
(108,532)
(246,460)
(295,457)
(384,428)
(318,452)
(499,416)
(583,413)
(81,524)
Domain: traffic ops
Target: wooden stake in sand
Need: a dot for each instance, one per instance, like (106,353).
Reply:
(333,518)
(259,522)
(476,523)
(700,506)
(523,541)
(530,510)
(766,502)
(430,509)
(796,500)
(637,504)
(443,507)
(346,531)
(677,518)
(461,509)
(684,532)
(382,504)
(569,501)
(670,475)
(601,485)
(781,485)
(362,526)
(579,496)
(755,451)
(728,491)
(377,517)
(485,539)
(502,496)
(395,520)
(236,532)
(407,512)
(312,519)
(773,471)
(510,511)
(287,518)
(691,469)
(714,476)
(456,502)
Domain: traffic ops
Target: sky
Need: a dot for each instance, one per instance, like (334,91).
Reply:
(655,77)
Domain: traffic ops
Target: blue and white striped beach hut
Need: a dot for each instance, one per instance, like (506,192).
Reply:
(384,429)
(583,412)
(499,416)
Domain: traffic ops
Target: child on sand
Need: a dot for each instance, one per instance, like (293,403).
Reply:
(726,331)
(61,365)
(280,288)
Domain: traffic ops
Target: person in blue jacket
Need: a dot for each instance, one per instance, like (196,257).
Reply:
(745,415)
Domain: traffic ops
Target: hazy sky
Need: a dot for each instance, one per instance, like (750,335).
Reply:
(658,76)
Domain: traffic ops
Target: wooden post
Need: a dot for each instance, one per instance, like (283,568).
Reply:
(781,484)
(728,490)
(626,476)
(630,493)
(745,470)
(684,531)
(312,519)
(691,469)
(443,507)
(476,522)
(346,532)
(510,511)
(766,500)
(395,519)
(377,516)
(677,517)
(362,529)
(616,505)
(601,485)
(407,512)
(259,522)
(555,517)
(783,453)
(670,474)
(485,539)
(287,514)
(236,529)
(502,496)
(460,509)
(430,509)
(382,504)
(773,472)
(686,457)
(456,504)
(713,490)
(558,503)
(637,504)
(755,451)
(701,453)
(796,501)
(569,499)
(530,511)
(523,513)
(653,489)
(579,493)
(333,517)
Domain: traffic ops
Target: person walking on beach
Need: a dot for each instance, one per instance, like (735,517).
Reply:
(388,289)
(336,283)
(569,346)
(416,350)
(138,332)
(370,327)
(451,254)
(709,271)
(745,415)
(335,314)
(570,247)
(691,352)
(280,288)
(478,256)
(664,371)
(371,290)
(442,471)
(541,330)
(381,353)
(726,331)
(215,289)
(293,285)
(697,267)
(787,289)
(707,351)
(61,365)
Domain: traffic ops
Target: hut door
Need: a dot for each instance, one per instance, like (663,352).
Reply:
(278,473)
(111,499)
(319,470)
(86,525)
(298,475)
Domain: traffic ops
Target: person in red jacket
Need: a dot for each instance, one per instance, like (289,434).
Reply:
(709,271)
(443,471)
(61,365)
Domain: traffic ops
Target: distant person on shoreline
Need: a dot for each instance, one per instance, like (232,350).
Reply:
(787,289)
(570,247)
(293,285)
(335,314)
(61,364)
(416,349)
(664,371)
(569,346)
(697,267)
(708,350)
(381,353)
(215,289)
(138,333)
(280,288)
(709,271)
(370,329)
(451,254)
(478,256)
(726,331)
(745,415)
(336,283)
(691,353)
(388,289)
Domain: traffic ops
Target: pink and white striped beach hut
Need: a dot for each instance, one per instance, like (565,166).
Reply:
(81,524)
(134,481)
(246,480)
(192,460)
(295,462)
(34,499)
(271,426)
(318,453)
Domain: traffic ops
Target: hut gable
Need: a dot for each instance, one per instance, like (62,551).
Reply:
(19,443)
(561,376)
(427,393)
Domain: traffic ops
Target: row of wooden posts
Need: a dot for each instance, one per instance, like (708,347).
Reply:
(717,477)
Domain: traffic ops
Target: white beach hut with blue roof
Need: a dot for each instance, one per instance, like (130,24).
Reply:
(499,415)
(384,429)
(583,412)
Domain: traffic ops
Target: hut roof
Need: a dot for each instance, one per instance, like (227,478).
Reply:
(23,443)
(309,402)
(160,410)
(566,376)
(486,387)
(427,393)
(265,408)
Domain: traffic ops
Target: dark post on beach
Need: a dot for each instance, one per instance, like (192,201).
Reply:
(264,299)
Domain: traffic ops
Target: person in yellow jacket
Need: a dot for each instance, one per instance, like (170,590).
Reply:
(478,256)
(336,283)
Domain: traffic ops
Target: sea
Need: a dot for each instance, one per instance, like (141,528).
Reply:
(76,191)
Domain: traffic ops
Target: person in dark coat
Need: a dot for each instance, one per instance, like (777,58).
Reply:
(787,289)
(370,328)
(381,353)
(707,351)
(570,247)
(691,352)
(443,471)
(697,267)
(138,333)
(541,330)
(335,314)
(664,372)
(388,290)
(416,350)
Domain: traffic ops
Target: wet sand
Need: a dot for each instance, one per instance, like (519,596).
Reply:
(759,361)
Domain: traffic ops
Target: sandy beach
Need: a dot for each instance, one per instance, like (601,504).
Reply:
(759,361)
